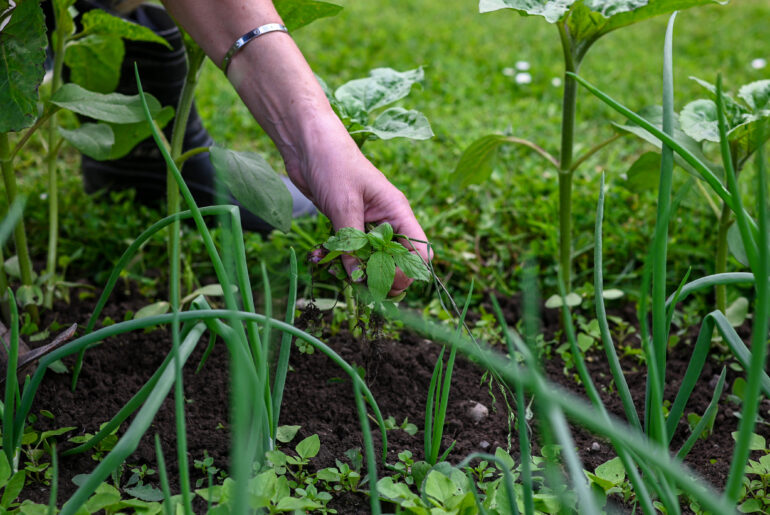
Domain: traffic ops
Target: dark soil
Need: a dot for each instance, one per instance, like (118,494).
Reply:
(319,398)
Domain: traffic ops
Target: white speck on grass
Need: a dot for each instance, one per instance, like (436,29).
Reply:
(556,82)
(509,72)
(758,63)
(523,78)
(522,65)
(43,196)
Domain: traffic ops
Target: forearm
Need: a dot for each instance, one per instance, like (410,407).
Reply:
(269,73)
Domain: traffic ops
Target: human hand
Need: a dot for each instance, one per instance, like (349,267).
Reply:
(352,192)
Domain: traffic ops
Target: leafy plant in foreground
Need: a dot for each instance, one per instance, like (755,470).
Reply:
(377,256)
(580,24)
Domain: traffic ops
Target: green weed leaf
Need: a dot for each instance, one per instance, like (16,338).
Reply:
(347,239)
(757,442)
(644,173)
(756,95)
(154,309)
(100,22)
(146,493)
(478,160)
(380,272)
(286,434)
(127,135)
(92,139)
(398,122)
(255,184)
(384,232)
(298,13)
(94,62)
(13,488)
(735,244)
(114,107)
(612,471)
(383,86)
(5,469)
(309,447)
(22,53)
(737,311)
(654,114)
(699,120)
(412,266)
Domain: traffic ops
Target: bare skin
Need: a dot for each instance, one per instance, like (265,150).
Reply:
(277,85)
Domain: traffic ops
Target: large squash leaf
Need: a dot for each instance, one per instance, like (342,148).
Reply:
(588,20)
(22,54)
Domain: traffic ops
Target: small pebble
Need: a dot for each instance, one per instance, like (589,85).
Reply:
(595,447)
(478,412)
(484,445)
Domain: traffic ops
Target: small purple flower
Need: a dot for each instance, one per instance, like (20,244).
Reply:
(316,255)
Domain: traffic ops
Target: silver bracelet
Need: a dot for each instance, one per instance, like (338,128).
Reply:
(249,36)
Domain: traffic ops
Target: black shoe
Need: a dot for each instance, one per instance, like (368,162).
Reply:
(163,73)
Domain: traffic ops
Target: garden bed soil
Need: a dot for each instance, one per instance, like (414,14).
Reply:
(319,398)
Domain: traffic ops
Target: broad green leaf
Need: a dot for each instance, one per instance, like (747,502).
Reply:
(551,10)
(612,470)
(146,493)
(347,239)
(298,13)
(100,22)
(210,290)
(5,469)
(92,139)
(156,308)
(412,266)
(292,504)
(735,244)
(127,135)
(478,160)
(22,54)
(612,294)
(756,95)
(440,487)
(398,122)
(746,137)
(756,443)
(255,184)
(698,120)
(13,488)
(644,174)
(734,110)
(286,434)
(587,24)
(380,272)
(94,62)
(55,432)
(114,107)
(384,86)
(737,311)
(654,114)
(309,447)
(555,301)
(384,232)
(752,506)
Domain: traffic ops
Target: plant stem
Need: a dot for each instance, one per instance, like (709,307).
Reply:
(569,106)
(5,307)
(720,265)
(194,62)
(53,183)
(19,233)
